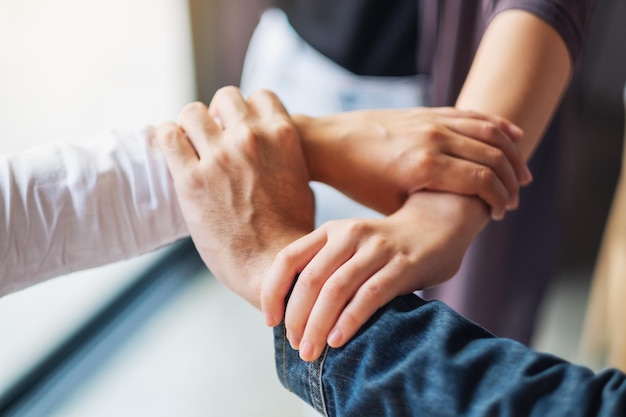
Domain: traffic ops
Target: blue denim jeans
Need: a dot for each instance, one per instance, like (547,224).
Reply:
(417,358)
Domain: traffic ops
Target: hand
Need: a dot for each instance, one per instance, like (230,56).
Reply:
(350,268)
(378,157)
(242,184)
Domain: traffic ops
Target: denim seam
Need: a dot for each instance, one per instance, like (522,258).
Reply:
(313,388)
(285,357)
(315,384)
(320,382)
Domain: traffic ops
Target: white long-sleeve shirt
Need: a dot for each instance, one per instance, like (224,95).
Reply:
(67,207)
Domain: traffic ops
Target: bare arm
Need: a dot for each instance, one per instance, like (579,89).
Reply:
(378,157)
(519,73)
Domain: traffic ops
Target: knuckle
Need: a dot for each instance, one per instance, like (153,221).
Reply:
(485,176)
(220,160)
(331,224)
(246,134)
(228,90)
(351,320)
(284,129)
(490,131)
(285,256)
(402,263)
(294,326)
(497,157)
(224,95)
(167,133)
(310,279)
(191,110)
(358,228)
(246,138)
(289,257)
(261,94)
(194,178)
(380,244)
(335,290)
(257,97)
(431,131)
(372,293)
(425,162)
(256,94)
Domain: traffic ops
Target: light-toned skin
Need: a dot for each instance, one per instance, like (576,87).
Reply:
(369,261)
(378,157)
(242,184)
(519,73)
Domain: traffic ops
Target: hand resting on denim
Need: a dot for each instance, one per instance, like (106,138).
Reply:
(242,183)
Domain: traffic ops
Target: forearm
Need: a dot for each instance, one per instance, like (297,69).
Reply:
(328,148)
(520,72)
(417,358)
(437,224)
(378,157)
(69,207)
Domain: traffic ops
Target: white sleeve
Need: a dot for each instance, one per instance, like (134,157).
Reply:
(69,207)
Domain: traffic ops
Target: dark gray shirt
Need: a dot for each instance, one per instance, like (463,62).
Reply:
(384,37)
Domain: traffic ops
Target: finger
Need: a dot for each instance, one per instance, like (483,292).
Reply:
(490,133)
(310,283)
(511,129)
(335,295)
(463,177)
(508,127)
(199,126)
(279,280)
(490,156)
(266,105)
(229,106)
(375,293)
(178,152)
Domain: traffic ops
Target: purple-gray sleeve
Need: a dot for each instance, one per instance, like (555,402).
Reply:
(570,18)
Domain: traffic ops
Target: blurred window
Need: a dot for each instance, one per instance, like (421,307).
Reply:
(71,68)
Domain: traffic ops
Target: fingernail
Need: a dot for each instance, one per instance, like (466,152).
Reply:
(335,338)
(528,176)
(270,320)
(306,351)
(293,341)
(497,215)
(513,203)
(516,131)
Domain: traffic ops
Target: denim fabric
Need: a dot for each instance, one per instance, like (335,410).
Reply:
(417,358)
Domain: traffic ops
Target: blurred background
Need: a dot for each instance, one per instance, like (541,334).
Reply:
(157,335)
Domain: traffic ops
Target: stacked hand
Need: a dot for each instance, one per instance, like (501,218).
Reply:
(378,157)
(242,183)
(350,268)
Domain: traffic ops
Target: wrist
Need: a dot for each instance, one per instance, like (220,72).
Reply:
(347,152)
(248,267)
(320,138)
(464,216)
(313,144)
